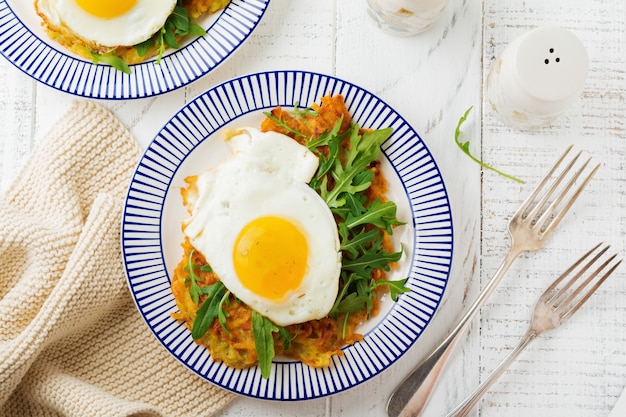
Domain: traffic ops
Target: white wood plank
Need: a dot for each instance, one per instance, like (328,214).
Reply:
(16,94)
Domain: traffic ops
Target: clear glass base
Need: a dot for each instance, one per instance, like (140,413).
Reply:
(399,21)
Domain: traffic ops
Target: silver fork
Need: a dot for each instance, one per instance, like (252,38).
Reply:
(529,227)
(554,307)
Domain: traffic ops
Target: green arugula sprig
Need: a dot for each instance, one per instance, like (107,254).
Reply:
(464,146)
(262,331)
(195,290)
(177,24)
(209,310)
(360,242)
(213,305)
(283,125)
(351,176)
(110,59)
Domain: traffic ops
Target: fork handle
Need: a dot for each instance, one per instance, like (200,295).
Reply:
(468,404)
(411,396)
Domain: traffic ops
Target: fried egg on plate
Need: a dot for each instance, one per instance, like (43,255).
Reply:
(269,237)
(108,23)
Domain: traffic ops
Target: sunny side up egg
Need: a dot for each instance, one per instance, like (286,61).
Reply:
(269,237)
(110,23)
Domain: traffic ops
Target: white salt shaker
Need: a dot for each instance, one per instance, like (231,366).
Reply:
(537,77)
(405,17)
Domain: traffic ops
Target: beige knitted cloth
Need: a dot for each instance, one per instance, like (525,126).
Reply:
(71,340)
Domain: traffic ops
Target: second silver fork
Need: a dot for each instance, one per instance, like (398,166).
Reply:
(557,304)
(529,227)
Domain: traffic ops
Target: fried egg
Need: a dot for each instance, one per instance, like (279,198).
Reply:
(270,238)
(108,23)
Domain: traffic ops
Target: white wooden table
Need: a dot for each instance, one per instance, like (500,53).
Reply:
(431,79)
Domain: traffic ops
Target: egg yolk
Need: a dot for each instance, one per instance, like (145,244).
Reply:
(270,257)
(106,9)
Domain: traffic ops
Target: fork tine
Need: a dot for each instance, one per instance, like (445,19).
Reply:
(521,211)
(556,298)
(565,189)
(536,210)
(549,293)
(593,289)
(547,222)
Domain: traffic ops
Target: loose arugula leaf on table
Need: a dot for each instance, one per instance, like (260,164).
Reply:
(464,146)
(262,329)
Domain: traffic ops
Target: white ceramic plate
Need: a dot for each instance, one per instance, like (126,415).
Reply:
(24,43)
(191,142)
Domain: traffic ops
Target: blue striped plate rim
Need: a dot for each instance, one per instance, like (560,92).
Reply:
(23,43)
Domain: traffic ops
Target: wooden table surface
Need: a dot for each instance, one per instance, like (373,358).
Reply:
(431,79)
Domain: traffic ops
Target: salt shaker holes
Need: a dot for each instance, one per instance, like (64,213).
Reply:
(547,61)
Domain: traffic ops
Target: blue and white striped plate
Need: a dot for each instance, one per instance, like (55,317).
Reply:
(24,43)
(191,142)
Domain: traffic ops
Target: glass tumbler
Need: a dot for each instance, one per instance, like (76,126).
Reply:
(405,17)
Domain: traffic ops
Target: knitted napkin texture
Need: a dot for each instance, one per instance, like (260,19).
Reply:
(72,342)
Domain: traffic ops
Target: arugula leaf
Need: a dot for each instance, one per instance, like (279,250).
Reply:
(395,287)
(169,35)
(143,47)
(464,146)
(353,303)
(347,279)
(110,59)
(194,289)
(373,259)
(303,111)
(326,138)
(364,149)
(179,20)
(208,311)
(262,329)
(356,243)
(221,314)
(286,337)
(332,141)
(380,214)
(284,125)
(177,24)
(196,30)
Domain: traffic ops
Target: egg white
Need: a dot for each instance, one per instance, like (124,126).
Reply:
(267,175)
(131,28)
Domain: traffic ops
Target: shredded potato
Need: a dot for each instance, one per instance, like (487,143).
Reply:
(313,342)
